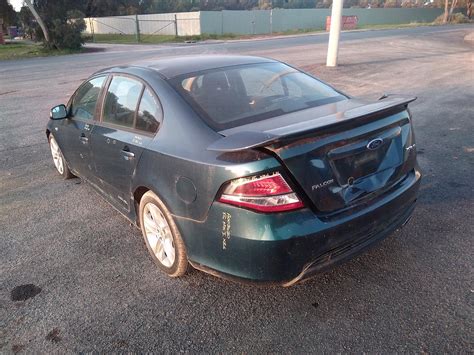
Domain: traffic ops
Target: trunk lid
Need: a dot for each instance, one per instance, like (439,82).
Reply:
(339,154)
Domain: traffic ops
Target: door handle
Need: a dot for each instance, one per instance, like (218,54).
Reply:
(127,154)
(83,138)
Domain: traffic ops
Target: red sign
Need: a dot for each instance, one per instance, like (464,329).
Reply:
(348,22)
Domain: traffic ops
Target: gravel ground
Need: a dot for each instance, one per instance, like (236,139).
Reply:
(94,288)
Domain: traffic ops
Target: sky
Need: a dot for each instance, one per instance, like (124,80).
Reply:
(16,4)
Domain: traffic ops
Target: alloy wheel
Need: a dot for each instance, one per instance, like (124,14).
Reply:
(57,156)
(158,234)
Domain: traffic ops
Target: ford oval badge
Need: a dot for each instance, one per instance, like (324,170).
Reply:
(374,143)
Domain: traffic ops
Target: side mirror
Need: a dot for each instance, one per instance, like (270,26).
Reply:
(58,112)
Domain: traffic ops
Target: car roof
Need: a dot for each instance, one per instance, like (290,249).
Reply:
(171,67)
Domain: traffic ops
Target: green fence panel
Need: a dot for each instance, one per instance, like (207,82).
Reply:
(211,22)
(297,19)
(281,20)
(393,16)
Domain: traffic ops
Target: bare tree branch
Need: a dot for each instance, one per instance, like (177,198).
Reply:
(453,5)
(446,12)
(39,20)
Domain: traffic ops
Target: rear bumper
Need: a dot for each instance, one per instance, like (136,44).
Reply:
(353,247)
(289,247)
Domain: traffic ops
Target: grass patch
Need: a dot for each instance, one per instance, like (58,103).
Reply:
(27,50)
(207,36)
(298,31)
(394,26)
(124,39)
(151,39)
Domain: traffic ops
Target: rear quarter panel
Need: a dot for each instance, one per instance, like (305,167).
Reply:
(177,162)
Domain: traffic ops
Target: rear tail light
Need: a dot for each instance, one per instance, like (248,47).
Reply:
(269,193)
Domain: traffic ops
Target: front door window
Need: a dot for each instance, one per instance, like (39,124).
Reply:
(85,101)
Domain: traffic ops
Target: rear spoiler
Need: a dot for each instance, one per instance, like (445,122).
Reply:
(251,139)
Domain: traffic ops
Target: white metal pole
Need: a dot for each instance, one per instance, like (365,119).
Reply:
(271,20)
(334,33)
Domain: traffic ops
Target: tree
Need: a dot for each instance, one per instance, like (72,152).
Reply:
(453,6)
(449,9)
(99,8)
(39,20)
(28,22)
(7,13)
(61,22)
(68,34)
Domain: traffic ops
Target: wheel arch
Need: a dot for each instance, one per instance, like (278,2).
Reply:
(138,193)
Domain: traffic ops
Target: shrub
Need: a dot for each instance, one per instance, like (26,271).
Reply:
(66,33)
(457,17)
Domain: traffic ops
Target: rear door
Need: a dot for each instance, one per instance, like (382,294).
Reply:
(83,113)
(131,115)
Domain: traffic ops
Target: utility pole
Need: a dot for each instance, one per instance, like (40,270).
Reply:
(271,20)
(91,26)
(137,28)
(334,33)
(175,25)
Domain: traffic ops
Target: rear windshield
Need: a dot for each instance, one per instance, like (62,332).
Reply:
(232,96)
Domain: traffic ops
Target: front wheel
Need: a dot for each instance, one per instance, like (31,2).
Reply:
(58,159)
(161,236)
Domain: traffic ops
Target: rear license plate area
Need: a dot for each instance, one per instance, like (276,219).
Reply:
(353,167)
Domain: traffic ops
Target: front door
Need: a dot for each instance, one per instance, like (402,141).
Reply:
(76,130)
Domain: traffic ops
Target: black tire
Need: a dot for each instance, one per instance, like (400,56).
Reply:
(65,173)
(179,266)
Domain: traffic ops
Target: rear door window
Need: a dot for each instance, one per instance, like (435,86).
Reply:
(149,113)
(121,101)
(85,100)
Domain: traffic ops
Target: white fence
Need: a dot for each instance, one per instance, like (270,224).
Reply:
(176,24)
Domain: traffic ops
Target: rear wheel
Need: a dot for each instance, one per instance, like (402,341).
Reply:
(161,236)
(58,159)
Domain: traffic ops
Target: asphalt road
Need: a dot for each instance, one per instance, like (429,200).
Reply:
(95,288)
